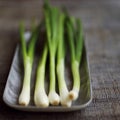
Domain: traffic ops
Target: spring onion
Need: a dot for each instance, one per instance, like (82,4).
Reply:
(28,56)
(51,18)
(63,91)
(75,39)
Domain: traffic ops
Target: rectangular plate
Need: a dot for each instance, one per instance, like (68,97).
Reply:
(14,84)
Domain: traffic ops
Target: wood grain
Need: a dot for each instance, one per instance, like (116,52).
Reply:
(101,21)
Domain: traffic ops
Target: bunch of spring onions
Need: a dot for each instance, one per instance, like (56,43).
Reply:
(57,24)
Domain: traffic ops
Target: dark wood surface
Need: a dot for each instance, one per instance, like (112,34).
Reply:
(101,21)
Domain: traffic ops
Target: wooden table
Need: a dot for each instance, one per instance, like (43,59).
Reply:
(101,20)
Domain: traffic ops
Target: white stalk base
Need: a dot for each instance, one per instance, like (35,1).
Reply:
(24,98)
(41,99)
(54,98)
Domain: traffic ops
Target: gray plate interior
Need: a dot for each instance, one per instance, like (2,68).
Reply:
(14,84)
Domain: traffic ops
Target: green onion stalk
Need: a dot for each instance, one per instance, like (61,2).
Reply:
(28,56)
(75,39)
(51,18)
(63,91)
